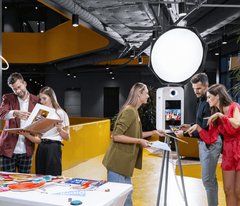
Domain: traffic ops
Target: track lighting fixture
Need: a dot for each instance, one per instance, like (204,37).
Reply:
(182,9)
(154,34)
(132,53)
(140,60)
(75,20)
(224,39)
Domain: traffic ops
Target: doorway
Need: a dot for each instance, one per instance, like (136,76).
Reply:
(111,101)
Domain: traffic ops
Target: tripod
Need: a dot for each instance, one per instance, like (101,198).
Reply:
(165,163)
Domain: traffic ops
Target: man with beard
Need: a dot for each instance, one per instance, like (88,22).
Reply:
(208,154)
(16,150)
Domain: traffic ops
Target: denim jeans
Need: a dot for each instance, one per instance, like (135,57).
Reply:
(209,158)
(115,177)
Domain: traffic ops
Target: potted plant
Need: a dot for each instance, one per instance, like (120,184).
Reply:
(147,112)
(235,75)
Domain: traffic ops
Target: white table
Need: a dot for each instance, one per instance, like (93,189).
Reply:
(115,197)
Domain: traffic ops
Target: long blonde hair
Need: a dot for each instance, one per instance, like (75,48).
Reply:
(50,92)
(133,94)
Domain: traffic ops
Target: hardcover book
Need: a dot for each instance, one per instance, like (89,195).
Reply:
(37,123)
(85,184)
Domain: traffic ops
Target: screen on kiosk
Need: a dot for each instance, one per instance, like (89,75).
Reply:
(172,114)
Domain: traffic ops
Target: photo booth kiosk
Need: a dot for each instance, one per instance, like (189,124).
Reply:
(169,108)
(176,56)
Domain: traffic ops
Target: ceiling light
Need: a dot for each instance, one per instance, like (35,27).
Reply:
(75,20)
(154,34)
(224,39)
(140,60)
(182,9)
(42,26)
(132,53)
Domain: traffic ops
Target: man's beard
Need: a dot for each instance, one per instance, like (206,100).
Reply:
(22,94)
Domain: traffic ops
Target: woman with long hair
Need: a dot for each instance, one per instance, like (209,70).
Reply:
(125,151)
(49,151)
(225,120)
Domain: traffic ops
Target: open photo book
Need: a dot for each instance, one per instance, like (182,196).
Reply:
(37,122)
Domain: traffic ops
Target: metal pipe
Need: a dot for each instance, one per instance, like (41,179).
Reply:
(221,5)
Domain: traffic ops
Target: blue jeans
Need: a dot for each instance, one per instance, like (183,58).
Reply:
(209,159)
(115,177)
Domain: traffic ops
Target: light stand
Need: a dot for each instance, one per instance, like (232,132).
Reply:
(170,55)
(165,162)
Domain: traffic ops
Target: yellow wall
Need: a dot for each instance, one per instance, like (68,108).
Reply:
(62,41)
(82,120)
(134,61)
(87,140)
(59,42)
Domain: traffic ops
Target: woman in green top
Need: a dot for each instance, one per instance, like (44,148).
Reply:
(125,151)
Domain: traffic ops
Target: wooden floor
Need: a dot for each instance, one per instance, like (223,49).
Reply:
(146,182)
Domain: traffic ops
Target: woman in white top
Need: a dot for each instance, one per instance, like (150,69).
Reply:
(49,151)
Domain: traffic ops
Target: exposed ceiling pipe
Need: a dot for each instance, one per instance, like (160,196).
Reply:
(189,13)
(68,6)
(221,5)
(214,23)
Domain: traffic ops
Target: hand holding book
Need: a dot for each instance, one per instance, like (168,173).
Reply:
(37,123)
(37,127)
(21,114)
(59,126)
(35,138)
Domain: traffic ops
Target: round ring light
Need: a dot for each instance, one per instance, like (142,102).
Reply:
(177,54)
(7,65)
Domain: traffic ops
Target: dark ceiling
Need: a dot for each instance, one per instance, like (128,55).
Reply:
(28,16)
(128,24)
